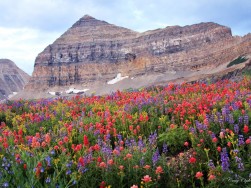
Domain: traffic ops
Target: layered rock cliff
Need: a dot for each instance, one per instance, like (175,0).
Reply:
(96,51)
(12,78)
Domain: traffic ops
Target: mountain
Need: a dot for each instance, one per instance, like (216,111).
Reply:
(92,52)
(12,78)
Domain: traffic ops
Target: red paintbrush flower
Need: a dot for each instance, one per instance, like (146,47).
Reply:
(192,160)
(245,129)
(86,141)
(199,175)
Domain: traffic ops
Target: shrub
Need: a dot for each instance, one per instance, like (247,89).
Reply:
(237,61)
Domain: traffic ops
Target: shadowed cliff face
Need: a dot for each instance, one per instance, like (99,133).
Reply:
(93,50)
(12,79)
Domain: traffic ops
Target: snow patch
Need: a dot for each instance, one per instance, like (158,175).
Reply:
(171,72)
(54,93)
(117,79)
(76,91)
(12,95)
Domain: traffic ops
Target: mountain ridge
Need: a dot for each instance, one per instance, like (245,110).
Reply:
(95,51)
(12,78)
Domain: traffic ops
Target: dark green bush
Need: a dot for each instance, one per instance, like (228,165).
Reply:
(237,61)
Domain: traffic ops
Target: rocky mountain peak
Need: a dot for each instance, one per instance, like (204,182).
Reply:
(87,21)
(95,51)
(87,16)
(90,29)
(6,63)
(12,78)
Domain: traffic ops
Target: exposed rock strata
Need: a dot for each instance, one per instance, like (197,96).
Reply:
(12,78)
(93,50)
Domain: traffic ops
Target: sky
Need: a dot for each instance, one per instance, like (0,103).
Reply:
(28,26)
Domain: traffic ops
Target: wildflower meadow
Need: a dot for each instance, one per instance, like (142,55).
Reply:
(186,135)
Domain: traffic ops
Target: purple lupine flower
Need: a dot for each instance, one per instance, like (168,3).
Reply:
(84,170)
(119,137)
(155,157)
(53,152)
(5,184)
(237,176)
(165,150)
(68,165)
(246,119)
(208,118)
(118,150)
(29,142)
(68,172)
(211,164)
(192,130)
(42,170)
(212,118)
(106,150)
(213,135)
(198,125)
(127,108)
(224,160)
(223,130)
(141,144)
(48,180)
(133,142)
(127,143)
(241,140)
(236,129)
(218,115)
(231,119)
(106,114)
(227,110)
(88,157)
(6,164)
(166,110)
(224,112)
(83,114)
(96,132)
(142,161)
(99,141)
(221,120)
(108,138)
(239,163)
(249,102)
(153,138)
(90,128)
(240,120)
(227,118)
(236,151)
(48,160)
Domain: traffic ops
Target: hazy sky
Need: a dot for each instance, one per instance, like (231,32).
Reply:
(28,26)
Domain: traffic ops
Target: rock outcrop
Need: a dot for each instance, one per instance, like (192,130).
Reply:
(96,51)
(12,78)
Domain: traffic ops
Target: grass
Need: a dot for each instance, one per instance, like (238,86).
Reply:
(247,72)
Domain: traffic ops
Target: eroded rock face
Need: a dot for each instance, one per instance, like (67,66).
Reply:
(12,79)
(93,50)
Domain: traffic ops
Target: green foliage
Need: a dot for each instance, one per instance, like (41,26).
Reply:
(175,139)
(247,72)
(237,61)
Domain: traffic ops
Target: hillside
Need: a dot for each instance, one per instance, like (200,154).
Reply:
(92,53)
(12,78)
